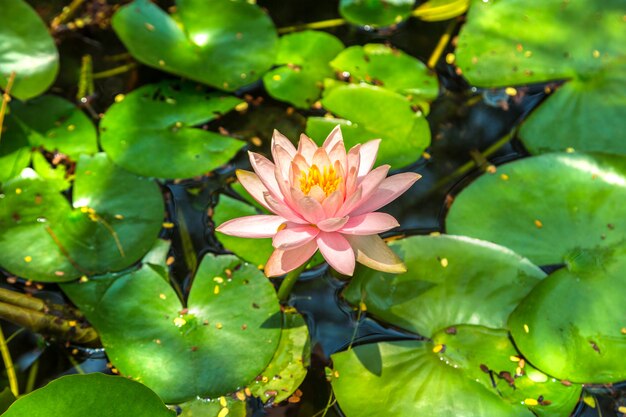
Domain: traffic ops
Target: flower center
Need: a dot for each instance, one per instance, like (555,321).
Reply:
(327,180)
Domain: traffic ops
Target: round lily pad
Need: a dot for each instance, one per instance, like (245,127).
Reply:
(408,378)
(503,44)
(83,395)
(375,13)
(113,221)
(451,280)
(222,43)
(546,207)
(55,124)
(573,324)
(220,340)
(26,49)
(288,367)
(303,60)
(371,112)
(154,131)
(383,66)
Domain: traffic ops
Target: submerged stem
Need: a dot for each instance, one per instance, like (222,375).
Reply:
(322,24)
(8,365)
(441,45)
(287,285)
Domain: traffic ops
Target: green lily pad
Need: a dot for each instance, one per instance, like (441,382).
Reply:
(503,44)
(289,366)
(573,324)
(222,340)
(80,395)
(55,124)
(546,207)
(375,13)
(451,280)
(407,378)
(256,251)
(112,222)
(303,60)
(54,176)
(27,49)
(213,408)
(371,112)
(14,149)
(383,66)
(222,43)
(152,131)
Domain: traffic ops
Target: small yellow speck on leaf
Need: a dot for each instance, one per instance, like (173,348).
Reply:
(28,258)
(531,402)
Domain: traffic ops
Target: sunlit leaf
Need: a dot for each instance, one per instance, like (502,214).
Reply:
(546,207)
(375,12)
(220,340)
(303,59)
(223,43)
(112,222)
(26,49)
(155,131)
(504,43)
(83,395)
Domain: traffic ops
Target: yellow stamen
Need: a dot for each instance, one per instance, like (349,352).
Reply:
(327,180)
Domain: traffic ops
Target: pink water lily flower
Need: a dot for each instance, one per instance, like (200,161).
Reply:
(322,198)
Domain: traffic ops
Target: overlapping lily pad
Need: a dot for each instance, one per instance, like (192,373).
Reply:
(458,291)
(504,43)
(573,325)
(370,112)
(288,367)
(468,373)
(153,131)
(223,43)
(218,407)
(26,49)
(80,395)
(390,68)
(451,280)
(546,207)
(375,13)
(54,124)
(220,340)
(303,60)
(113,220)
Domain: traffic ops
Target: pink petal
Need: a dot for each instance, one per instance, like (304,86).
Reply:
(282,209)
(309,208)
(265,169)
(337,252)
(339,158)
(253,185)
(294,235)
(278,139)
(257,226)
(283,261)
(373,252)
(389,190)
(332,224)
(282,159)
(368,185)
(321,159)
(306,148)
(368,153)
(369,224)
(333,139)
(332,203)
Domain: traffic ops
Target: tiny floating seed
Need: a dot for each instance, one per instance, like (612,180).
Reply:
(526,329)
(223,412)
(439,348)
(28,258)
(531,402)
(444,262)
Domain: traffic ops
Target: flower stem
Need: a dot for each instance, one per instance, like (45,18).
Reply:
(287,285)
(323,24)
(8,365)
